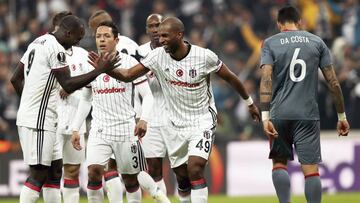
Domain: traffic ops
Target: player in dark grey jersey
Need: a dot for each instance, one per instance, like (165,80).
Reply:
(288,96)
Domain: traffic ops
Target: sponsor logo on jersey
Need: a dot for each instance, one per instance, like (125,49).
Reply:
(133,148)
(106,78)
(192,73)
(182,84)
(179,72)
(109,90)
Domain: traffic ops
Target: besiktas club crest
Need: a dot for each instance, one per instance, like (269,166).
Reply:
(192,73)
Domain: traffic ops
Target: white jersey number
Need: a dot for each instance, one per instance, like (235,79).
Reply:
(295,61)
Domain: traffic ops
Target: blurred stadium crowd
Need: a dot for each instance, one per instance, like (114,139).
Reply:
(234,29)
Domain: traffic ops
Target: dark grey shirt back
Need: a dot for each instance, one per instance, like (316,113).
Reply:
(295,57)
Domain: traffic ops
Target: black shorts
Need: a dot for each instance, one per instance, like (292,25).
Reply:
(303,134)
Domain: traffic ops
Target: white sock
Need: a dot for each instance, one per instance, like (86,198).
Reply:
(199,195)
(147,183)
(95,192)
(70,191)
(28,195)
(114,190)
(185,199)
(134,197)
(51,195)
(161,185)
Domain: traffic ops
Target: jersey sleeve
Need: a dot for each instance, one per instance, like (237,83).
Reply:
(150,60)
(213,63)
(24,58)
(266,55)
(57,56)
(325,55)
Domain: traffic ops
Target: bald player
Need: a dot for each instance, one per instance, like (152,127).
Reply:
(66,109)
(153,143)
(183,71)
(36,79)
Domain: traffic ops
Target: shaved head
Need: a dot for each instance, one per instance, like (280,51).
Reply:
(71,23)
(155,16)
(174,24)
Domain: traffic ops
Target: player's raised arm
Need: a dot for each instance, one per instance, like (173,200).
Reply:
(337,96)
(17,80)
(70,84)
(126,75)
(265,98)
(234,81)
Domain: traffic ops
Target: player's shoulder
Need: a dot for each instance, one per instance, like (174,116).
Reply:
(126,40)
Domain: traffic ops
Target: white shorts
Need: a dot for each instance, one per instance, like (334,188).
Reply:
(153,142)
(129,155)
(182,143)
(39,147)
(70,154)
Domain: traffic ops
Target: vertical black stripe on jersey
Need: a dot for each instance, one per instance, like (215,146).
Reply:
(44,102)
(211,110)
(42,115)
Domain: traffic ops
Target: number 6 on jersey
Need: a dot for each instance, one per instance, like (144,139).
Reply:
(295,61)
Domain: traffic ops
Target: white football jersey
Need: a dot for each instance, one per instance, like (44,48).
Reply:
(77,59)
(186,84)
(39,97)
(113,114)
(158,113)
(127,46)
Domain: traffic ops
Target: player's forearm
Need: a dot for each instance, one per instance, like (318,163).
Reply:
(121,74)
(233,80)
(18,86)
(17,80)
(265,91)
(337,96)
(81,114)
(77,82)
(335,88)
(147,102)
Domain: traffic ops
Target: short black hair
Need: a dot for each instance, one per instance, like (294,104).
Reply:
(71,23)
(288,14)
(59,16)
(113,27)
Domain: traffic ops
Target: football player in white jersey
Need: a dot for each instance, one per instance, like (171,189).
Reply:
(66,109)
(113,183)
(153,143)
(183,70)
(36,79)
(113,127)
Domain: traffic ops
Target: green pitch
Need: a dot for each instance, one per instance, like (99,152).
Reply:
(335,198)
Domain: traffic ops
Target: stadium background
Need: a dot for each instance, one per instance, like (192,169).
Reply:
(234,30)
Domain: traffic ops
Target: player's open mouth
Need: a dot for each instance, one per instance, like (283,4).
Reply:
(102,46)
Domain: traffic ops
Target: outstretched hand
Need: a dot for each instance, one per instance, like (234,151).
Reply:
(254,111)
(105,62)
(269,129)
(343,128)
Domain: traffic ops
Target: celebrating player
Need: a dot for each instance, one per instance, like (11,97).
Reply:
(36,79)
(66,108)
(113,127)
(288,91)
(113,183)
(183,70)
